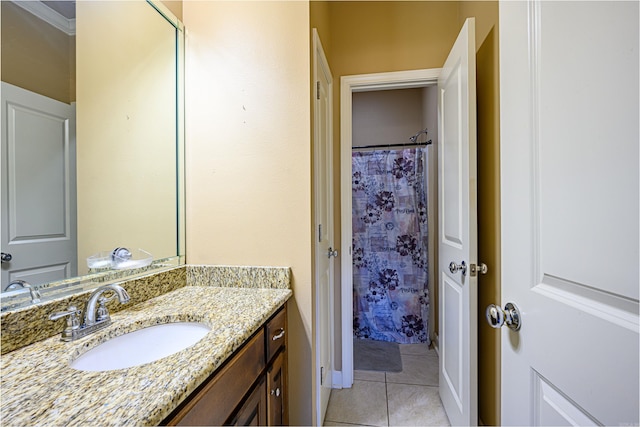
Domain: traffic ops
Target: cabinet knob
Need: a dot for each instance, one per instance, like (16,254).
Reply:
(276,392)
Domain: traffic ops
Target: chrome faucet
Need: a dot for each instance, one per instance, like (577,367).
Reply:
(15,284)
(94,318)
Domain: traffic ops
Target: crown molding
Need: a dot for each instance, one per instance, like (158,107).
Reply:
(48,15)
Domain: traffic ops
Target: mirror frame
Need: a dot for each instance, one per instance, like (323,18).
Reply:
(16,299)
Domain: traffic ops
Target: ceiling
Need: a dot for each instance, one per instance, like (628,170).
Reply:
(64,8)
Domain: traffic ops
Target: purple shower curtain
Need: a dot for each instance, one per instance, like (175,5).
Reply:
(390,237)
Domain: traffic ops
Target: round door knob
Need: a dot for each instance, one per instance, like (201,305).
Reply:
(495,316)
(454,268)
(6,257)
(510,316)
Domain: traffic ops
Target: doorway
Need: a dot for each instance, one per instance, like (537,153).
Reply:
(462,330)
(393,199)
(384,161)
(372,90)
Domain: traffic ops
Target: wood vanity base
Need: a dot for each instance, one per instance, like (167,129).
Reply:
(249,389)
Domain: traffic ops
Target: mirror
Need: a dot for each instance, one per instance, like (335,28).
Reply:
(92,143)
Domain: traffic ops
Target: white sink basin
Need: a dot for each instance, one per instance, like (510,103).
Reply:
(141,346)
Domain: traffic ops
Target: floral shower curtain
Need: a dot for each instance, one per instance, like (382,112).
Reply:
(390,281)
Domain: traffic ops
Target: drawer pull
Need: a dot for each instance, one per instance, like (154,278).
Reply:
(280,335)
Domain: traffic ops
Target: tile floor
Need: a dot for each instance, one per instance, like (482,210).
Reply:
(407,398)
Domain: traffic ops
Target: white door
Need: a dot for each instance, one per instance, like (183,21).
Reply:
(569,197)
(38,187)
(324,252)
(457,234)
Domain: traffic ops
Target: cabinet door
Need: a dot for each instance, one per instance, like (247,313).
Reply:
(276,333)
(277,392)
(254,410)
(217,399)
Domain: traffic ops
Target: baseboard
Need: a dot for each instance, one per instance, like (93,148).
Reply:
(435,343)
(336,379)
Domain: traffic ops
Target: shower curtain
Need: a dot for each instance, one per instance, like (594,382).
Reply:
(390,238)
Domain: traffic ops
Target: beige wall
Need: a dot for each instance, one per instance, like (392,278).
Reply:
(248,128)
(386,116)
(36,56)
(126,130)
(372,37)
(249,154)
(319,18)
(175,6)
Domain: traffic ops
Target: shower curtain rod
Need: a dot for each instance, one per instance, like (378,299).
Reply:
(414,142)
(404,144)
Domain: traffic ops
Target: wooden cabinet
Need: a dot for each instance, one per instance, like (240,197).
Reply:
(276,334)
(254,410)
(276,337)
(249,389)
(276,388)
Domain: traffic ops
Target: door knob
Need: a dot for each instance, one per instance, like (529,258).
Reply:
(454,268)
(332,253)
(6,257)
(510,316)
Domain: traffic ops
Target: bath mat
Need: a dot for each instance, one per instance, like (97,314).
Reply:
(369,355)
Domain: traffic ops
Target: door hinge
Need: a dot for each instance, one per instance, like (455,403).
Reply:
(319,233)
(321,375)
(318,89)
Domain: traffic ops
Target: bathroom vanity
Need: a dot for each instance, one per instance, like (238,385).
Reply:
(250,389)
(235,374)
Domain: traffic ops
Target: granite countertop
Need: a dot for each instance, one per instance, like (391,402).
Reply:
(39,387)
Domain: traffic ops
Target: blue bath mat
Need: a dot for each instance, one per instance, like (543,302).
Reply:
(369,355)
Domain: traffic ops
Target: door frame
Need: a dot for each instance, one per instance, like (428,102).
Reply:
(349,85)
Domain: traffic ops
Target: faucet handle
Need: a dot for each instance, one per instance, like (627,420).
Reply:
(102,313)
(73,323)
(72,311)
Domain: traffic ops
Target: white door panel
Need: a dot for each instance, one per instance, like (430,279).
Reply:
(569,171)
(552,408)
(583,124)
(458,229)
(38,187)
(324,252)
(35,172)
(452,332)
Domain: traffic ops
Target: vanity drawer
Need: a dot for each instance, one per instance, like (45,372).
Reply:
(212,404)
(276,333)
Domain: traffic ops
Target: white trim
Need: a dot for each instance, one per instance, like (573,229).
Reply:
(166,14)
(336,379)
(48,15)
(348,85)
